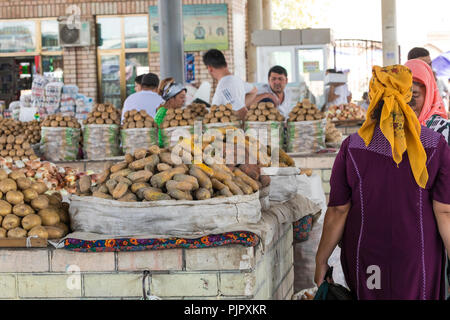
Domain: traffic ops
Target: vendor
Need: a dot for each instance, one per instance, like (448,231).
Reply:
(137,83)
(147,99)
(336,93)
(275,90)
(174,94)
(230,89)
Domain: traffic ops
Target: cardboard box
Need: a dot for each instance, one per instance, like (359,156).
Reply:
(335,78)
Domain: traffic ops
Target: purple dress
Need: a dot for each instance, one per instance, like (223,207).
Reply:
(391,224)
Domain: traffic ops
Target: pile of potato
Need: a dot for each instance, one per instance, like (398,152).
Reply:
(134,119)
(332,134)
(103,113)
(60,121)
(349,111)
(220,114)
(160,174)
(32,130)
(178,118)
(198,110)
(16,147)
(25,209)
(305,111)
(264,111)
(11,126)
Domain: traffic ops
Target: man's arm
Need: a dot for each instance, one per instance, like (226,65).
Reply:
(250,97)
(333,229)
(442,214)
(266,95)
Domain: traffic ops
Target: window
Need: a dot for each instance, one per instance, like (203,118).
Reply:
(17,36)
(49,35)
(122,55)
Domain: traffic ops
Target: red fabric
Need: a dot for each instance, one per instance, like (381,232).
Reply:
(433,104)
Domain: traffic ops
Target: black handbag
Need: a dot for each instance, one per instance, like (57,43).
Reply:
(332,291)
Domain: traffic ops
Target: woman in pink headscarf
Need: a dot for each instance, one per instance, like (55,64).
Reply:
(426,101)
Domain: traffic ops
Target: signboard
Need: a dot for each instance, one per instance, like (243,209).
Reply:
(311,66)
(205,27)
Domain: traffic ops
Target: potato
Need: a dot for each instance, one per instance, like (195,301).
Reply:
(22,210)
(16,174)
(85,183)
(16,233)
(54,232)
(54,200)
(29,194)
(41,202)
(14,197)
(2,233)
(31,221)
(3,174)
(49,216)
(5,208)
(63,227)
(23,183)
(10,221)
(39,187)
(8,185)
(39,231)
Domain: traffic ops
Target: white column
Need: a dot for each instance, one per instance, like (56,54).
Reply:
(255,22)
(389,32)
(267,14)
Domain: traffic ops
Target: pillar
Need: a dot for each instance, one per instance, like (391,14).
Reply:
(267,14)
(389,32)
(171,42)
(255,22)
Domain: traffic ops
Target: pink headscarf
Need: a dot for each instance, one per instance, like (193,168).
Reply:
(433,104)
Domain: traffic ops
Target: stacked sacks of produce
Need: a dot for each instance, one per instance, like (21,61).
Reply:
(305,129)
(159,174)
(344,112)
(60,138)
(101,132)
(333,136)
(265,123)
(26,210)
(198,110)
(176,123)
(221,114)
(139,130)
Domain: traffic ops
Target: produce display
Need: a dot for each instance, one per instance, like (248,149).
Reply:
(178,118)
(60,121)
(264,111)
(103,113)
(56,178)
(26,210)
(134,119)
(348,111)
(31,129)
(332,134)
(16,147)
(159,174)
(305,111)
(198,110)
(220,114)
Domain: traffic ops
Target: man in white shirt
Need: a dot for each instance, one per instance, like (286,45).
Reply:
(230,89)
(147,99)
(336,93)
(275,91)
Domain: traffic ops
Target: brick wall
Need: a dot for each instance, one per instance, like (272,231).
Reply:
(227,272)
(80,64)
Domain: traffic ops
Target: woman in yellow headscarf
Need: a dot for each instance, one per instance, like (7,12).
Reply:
(390,200)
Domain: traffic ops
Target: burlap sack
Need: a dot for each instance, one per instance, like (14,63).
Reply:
(101,141)
(306,137)
(133,139)
(60,144)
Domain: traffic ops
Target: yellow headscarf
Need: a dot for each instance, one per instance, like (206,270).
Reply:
(398,122)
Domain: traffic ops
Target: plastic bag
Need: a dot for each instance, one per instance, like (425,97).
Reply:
(306,137)
(60,144)
(101,141)
(266,132)
(133,139)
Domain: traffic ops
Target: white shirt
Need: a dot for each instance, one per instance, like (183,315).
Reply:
(231,89)
(342,92)
(285,106)
(143,100)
